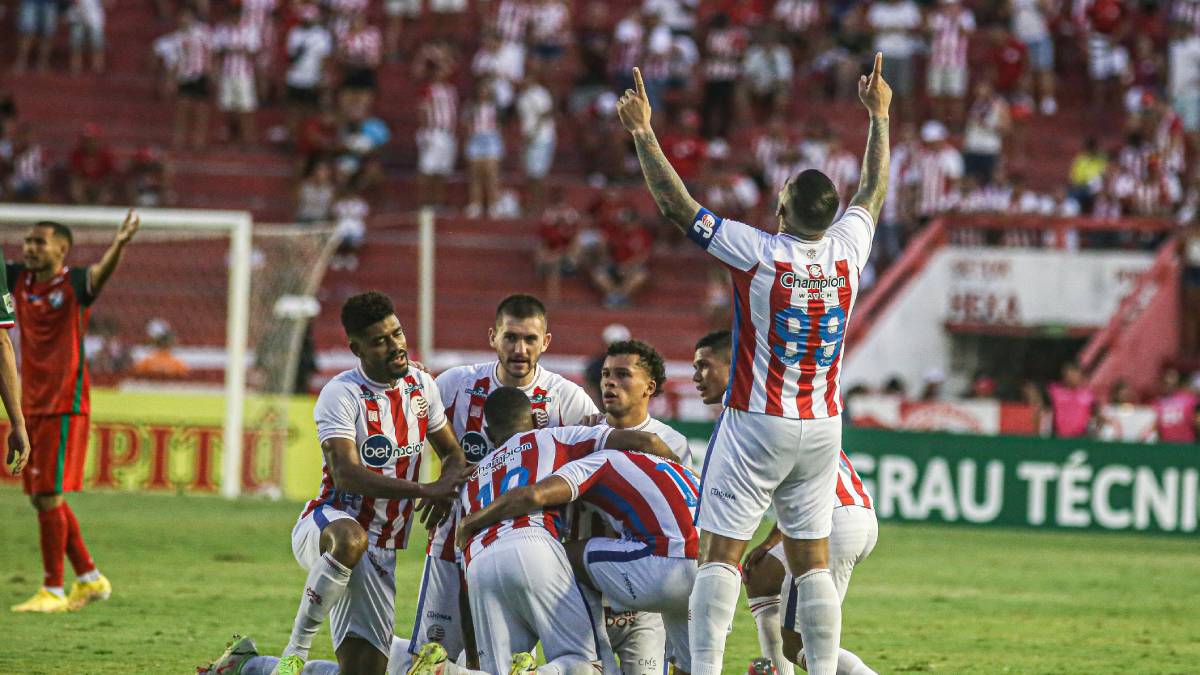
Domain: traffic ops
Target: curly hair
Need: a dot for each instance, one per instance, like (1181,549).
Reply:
(648,358)
(364,309)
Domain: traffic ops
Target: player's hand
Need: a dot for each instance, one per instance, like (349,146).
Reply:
(447,485)
(434,511)
(592,420)
(18,449)
(466,530)
(754,557)
(874,91)
(128,228)
(634,106)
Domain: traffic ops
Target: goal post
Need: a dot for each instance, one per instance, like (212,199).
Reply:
(238,226)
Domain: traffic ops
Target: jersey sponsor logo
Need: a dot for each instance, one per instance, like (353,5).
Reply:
(705,225)
(475,446)
(378,450)
(411,389)
(793,281)
(420,405)
(476,391)
(9,304)
(539,397)
(716,492)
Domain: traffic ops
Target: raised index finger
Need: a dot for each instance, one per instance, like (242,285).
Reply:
(878,70)
(637,82)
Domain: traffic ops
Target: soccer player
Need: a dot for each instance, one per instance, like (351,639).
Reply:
(10,387)
(522,589)
(373,422)
(53,303)
(779,437)
(851,539)
(520,335)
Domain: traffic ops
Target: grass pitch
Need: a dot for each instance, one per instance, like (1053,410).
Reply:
(188,571)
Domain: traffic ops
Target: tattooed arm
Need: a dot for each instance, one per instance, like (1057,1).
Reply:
(665,185)
(876,95)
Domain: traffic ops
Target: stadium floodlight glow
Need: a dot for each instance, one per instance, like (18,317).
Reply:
(238,225)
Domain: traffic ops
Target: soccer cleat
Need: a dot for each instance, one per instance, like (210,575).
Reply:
(289,665)
(430,660)
(238,651)
(522,663)
(761,666)
(83,592)
(44,602)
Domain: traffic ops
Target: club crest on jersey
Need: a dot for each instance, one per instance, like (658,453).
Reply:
(373,416)
(420,405)
(9,305)
(55,298)
(541,417)
(705,225)
(475,446)
(815,271)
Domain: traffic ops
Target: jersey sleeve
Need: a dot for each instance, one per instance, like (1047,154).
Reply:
(856,228)
(576,405)
(447,386)
(582,473)
(336,413)
(81,281)
(735,244)
(8,306)
(437,408)
(580,441)
(678,444)
(11,270)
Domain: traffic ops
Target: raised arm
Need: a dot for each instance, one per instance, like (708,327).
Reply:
(516,502)
(665,185)
(99,273)
(876,95)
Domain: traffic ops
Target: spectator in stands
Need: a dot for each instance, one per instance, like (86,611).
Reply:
(898,205)
(931,385)
(350,213)
(841,166)
(950,28)
(309,44)
(360,140)
(1009,58)
(558,246)
(1072,402)
(895,24)
(448,16)
(1105,25)
(502,64)
(1145,76)
(360,52)
(397,13)
(37,22)
(437,141)
(192,70)
(166,58)
(733,192)
(149,178)
(801,22)
(939,171)
(988,123)
(485,150)
(318,136)
(93,168)
(106,353)
(629,244)
(236,43)
(724,44)
(26,180)
(315,193)
(86,18)
(549,32)
(685,148)
(261,16)
(1029,25)
(767,73)
(538,114)
(982,387)
(593,40)
(1178,410)
(1087,173)
(1183,71)
(160,363)
(613,332)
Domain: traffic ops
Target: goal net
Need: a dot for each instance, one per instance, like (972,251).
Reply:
(194,344)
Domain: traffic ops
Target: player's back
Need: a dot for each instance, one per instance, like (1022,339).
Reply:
(792,303)
(524,459)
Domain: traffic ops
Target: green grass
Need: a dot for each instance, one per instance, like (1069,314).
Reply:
(189,571)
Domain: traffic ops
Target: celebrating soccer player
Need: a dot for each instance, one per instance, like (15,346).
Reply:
(780,436)
(53,302)
(851,539)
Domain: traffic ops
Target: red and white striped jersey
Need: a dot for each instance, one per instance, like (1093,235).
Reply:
(939,171)
(439,107)
(237,44)
(791,303)
(644,498)
(512,20)
(723,53)
(258,12)
(550,23)
(195,53)
(951,30)
(389,425)
(28,166)
(556,401)
(362,48)
(850,490)
(524,459)
(482,118)
(797,16)
(1187,13)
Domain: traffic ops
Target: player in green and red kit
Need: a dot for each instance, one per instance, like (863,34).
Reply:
(52,306)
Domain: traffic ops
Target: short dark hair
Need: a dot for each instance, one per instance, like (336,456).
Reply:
(718,341)
(365,309)
(521,306)
(810,202)
(648,358)
(60,230)
(505,406)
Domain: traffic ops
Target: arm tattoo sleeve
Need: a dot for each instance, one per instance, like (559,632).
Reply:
(872,187)
(665,185)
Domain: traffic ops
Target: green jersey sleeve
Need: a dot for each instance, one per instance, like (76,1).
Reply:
(82,283)
(8,306)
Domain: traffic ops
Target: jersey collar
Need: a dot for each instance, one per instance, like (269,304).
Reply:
(537,375)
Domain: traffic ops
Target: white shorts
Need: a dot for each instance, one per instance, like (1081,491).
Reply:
(368,609)
(638,639)
(947,81)
(438,616)
(855,531)
(236,94)
(1106,61)
(754,459)
(521,591)
(436,149)
(630,576)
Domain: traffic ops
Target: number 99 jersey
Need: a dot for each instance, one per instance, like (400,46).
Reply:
(524,459)
(791,302)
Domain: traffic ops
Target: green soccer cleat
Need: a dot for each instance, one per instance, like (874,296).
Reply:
(522,663)
(238,651)
(431,660)
(289,665)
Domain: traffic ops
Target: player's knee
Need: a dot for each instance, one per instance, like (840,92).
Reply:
(793,647)
(46,502)
(346,540)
